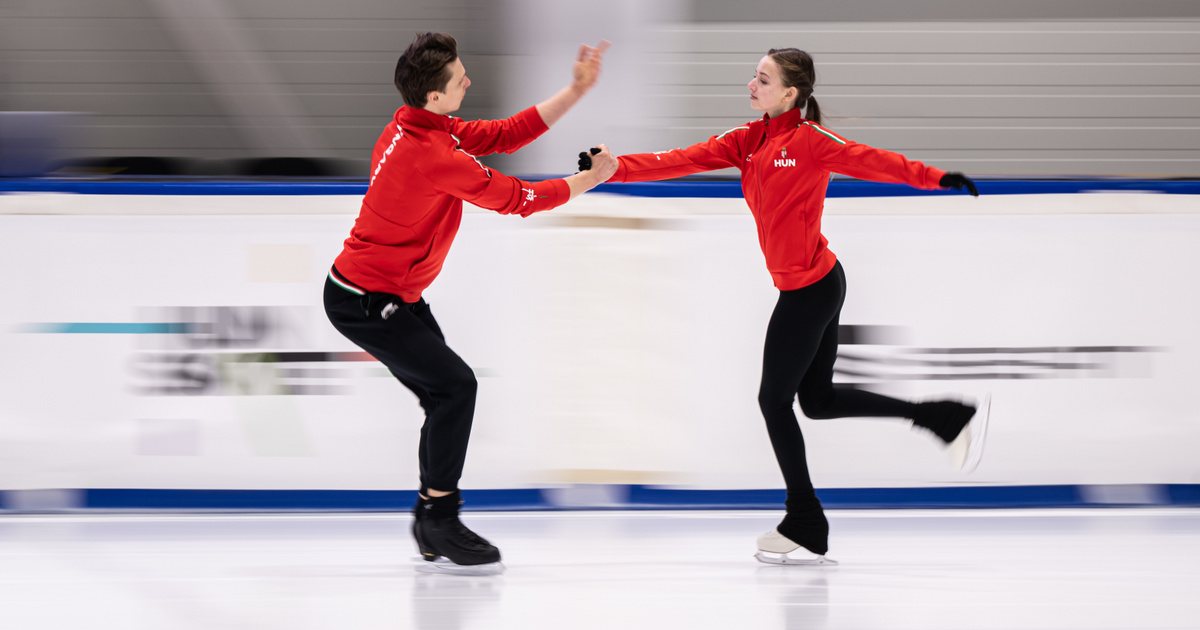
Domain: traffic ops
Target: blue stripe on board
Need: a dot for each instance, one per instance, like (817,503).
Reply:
(104,328)
(386,500)
(674,188)
(639,498)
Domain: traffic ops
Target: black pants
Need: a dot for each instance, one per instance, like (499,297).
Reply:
(406,338)
(801,348)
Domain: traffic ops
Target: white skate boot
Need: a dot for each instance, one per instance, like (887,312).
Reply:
(967,449)
(773,548)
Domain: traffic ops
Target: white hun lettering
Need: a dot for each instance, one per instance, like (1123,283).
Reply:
(391,147)
(779,163)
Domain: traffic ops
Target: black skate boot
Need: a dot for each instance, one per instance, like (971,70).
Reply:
(805,526)
(446,545)
(961,427)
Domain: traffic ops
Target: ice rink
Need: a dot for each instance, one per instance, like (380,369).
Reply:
(1045,569)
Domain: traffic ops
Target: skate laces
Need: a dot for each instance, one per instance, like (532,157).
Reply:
(469,538)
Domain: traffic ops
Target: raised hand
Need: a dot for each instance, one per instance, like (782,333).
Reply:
(958,181)
(588,64)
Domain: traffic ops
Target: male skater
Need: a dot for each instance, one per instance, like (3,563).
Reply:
(422,169)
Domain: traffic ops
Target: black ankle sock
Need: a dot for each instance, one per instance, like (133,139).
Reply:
(805,523)
(439,507)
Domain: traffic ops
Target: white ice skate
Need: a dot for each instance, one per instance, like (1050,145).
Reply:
(967,449)
(444,566)
(773,548)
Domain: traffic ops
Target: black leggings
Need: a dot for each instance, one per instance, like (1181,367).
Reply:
(798,359)
(407,339)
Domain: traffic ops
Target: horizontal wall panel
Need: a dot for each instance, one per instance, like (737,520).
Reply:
(356,10)
(909,10)
(708,104)
(141,35)
(160,138)
(949,71)
(1042,39)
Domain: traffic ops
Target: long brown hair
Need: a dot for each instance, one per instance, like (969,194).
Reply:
(798,72)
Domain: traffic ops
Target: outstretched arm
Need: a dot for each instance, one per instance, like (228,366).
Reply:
(717,152)
(839,155)
(584,76)
(462,176)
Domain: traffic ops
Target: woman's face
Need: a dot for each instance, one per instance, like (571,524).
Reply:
(767,93)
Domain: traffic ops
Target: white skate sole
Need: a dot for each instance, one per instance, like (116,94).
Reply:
(443,566)
(783,559)
(967,449)
(773,548)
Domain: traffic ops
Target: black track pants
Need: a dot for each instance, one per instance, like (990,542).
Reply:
(801,348)
(409,342)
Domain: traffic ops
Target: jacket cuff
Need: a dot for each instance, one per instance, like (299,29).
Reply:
(619,176)
(532,119)
(932,177)
(562,192)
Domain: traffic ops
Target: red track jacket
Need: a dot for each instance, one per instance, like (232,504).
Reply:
(422,169)
(785,163)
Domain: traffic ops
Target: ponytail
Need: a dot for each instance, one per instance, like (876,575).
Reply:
(812,111)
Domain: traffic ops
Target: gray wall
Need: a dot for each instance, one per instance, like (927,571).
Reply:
(1071,87)
(1002,98)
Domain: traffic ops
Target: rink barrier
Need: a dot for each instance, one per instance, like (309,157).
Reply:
(674,188)
(631,497)
(619,497)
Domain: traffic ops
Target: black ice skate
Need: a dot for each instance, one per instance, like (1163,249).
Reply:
(962,427)
(446,545)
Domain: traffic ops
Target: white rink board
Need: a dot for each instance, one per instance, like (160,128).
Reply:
(617,340)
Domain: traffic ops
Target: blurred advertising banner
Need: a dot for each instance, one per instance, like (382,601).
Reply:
(178,342)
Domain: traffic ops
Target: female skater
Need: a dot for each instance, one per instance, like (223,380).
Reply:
(422,169)
(786,159)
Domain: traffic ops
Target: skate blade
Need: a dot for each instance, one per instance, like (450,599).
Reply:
(783,559)
(967,449)
(978,434)
(442,566)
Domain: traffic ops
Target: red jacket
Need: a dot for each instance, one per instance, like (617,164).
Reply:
(422,169)
(786,163)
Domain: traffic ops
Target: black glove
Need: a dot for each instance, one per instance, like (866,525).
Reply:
(585,160)
(958,181)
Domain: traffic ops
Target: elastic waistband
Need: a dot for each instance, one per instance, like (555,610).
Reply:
(340,280)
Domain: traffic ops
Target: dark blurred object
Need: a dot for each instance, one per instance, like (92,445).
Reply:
(585,160)
(152,166)
(294,167)
(958,181)
(142,166)
(31,142)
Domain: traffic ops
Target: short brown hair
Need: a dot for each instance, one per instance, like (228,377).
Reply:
(425,67)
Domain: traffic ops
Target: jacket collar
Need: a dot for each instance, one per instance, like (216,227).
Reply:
(415,117)
(788,120)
